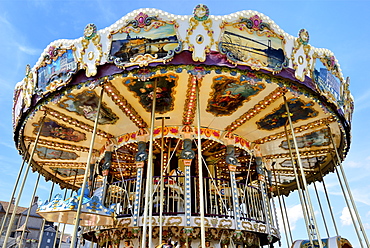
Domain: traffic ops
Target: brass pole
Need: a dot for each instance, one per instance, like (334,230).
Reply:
(302,174)
(149,177)
(329,204)
(161,186)
(23,183)
(13,193)
(283,217)
(201,192)
(29,209)
(78,214)
(339,164)
(300,193)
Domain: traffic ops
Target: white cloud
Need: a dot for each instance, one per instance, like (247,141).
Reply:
(294,215)
(345,218)
(362,102)
(28,50)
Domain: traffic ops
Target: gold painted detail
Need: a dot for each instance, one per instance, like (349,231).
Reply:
(90,56)
(28,87)
(190,103)
(197,222)
(225,224)
(75,122)
(309,126)
(143,60)
(302,154)
(174,221)
(124,105)
(261,105)
(207,24)
(69,165)
(58,145)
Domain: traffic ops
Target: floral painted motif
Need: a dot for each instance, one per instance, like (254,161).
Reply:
(201,12)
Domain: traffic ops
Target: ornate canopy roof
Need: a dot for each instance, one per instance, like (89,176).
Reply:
(243,63)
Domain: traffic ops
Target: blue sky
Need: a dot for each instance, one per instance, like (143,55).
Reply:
(27,27)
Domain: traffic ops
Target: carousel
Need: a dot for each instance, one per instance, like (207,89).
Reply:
(185,131)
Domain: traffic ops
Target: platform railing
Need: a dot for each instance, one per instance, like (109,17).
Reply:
(217,192)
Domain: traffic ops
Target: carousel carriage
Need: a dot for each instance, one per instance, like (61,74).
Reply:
(246,111)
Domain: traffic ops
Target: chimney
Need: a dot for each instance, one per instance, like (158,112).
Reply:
(35,199)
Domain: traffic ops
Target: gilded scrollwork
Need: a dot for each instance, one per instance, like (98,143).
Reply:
(198,44)
(301,59)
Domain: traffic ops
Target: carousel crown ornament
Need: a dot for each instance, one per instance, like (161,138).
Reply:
(197,124)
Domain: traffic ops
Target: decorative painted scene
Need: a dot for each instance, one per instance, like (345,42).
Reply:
(251,42)
(159,41)
(86,104)
(230,94)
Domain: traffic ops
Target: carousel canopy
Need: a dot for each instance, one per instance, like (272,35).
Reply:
(243,64)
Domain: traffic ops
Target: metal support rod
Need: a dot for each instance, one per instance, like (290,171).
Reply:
(23,183)
(302,174)
(29,209)
(149,178)
(348,190)
(43,220)
(281,208)
(329,204)
(161,186)
(78,214)
(13,193)
(300,194)
(319,202)
(200,168)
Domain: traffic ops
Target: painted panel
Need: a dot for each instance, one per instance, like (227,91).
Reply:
(56,130)
(318,138)
(68,172)
(229,94)
(51,153)
(327,83)
(252,42)
(307,163)
(57,69)
(144,90)
(86,105)
(278,118)
(144,40)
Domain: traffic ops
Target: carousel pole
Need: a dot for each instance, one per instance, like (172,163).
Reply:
(64,225)
(29,209)
(302,174)
(329,204)
(78,214)
(348,192)
(283,216)
(319,202)
(201,192)
(13,193)
(23,182)
(162,185)
(43,220)
(300,193)
(149,178)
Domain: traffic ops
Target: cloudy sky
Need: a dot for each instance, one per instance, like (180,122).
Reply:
(27,27)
